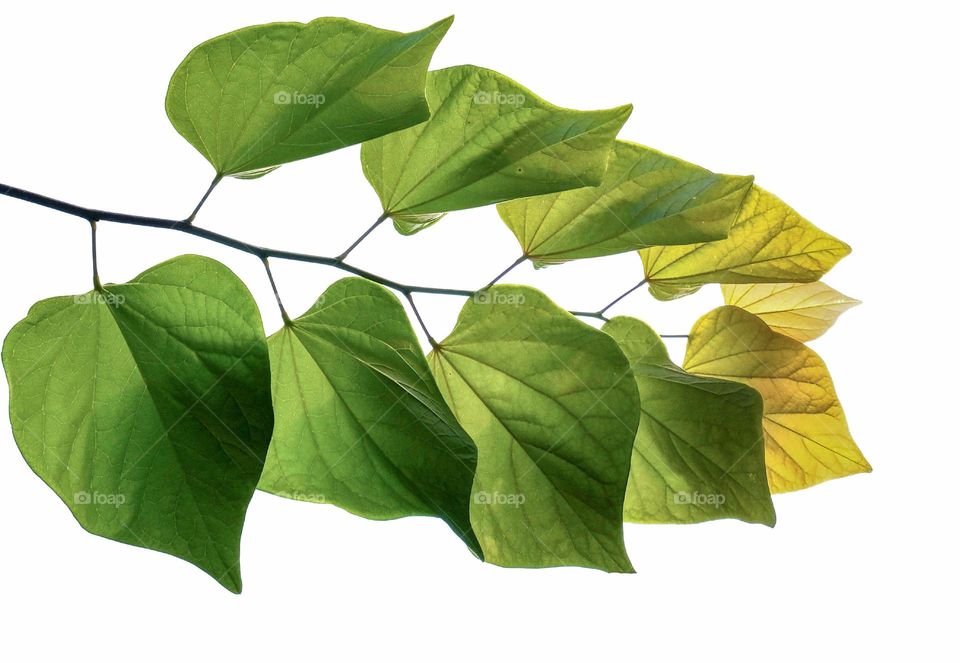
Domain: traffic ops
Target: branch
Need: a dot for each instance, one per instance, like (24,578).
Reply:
(264,253)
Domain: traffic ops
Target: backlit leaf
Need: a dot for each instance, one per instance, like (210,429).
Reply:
(266,95)
(807,439)
(646,198)
(769,243)
(803,311)
(698,454)
(146,407)
(489,139)
(360,421)
(553,409)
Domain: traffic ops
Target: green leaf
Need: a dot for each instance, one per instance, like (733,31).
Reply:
(266,95)
(360,421)
(769,243)
(489,139)
(805,430)
(553,409)
(645,199)
(698,454)
(146,408)
(803,311)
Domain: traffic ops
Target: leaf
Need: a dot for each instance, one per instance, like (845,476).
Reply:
(553,410)
(646,198)
(803,311)
(698,453)
(266,95)
(769,243)
(145,407)
(807,439)
(360,421)
(488,139)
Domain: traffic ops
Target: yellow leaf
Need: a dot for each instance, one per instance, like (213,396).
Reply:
(768,243)
(803,311)
(805,432)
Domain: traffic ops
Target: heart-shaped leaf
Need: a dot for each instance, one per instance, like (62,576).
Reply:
(553,409)
(488,139)
(265,95)
(803,311)
(769,243)
(807,439)
(646,198)
(699,450)
(146,408)
(360,421)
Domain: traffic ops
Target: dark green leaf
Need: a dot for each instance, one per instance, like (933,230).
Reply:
(360,421)
(266,95)
(146,408)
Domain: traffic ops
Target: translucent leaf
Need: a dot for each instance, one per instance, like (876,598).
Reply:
(803,311)
(266,95)
(806,434)
(360,421)
(769,243)
(698,454)
(489,139)
(146,408)
(646,198)
(553,409)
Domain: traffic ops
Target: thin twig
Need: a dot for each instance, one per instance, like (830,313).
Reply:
(423,326)
(617,300)
(383,217)
(263,253)
(506,271)
(276,293)
(93,250)
(196,210)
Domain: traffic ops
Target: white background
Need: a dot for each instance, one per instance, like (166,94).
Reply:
(848,112)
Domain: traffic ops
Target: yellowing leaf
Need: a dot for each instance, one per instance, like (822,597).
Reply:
(489,139)
(646,198)
(805,431)
(803,311)
(769,243)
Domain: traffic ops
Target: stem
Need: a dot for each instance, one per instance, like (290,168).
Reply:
(189,229)
(263,253)
(423,326)
(506,271)
(383,217)
(276,293)
(213,185)
(93,250)
(587,314)
(615,301)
